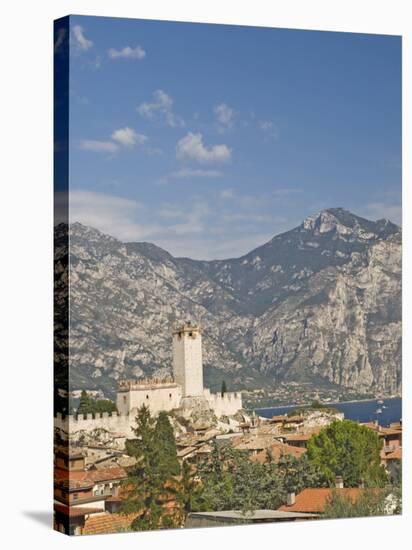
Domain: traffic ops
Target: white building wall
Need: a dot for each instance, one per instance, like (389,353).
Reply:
(228,404)
(156,398)
(117,423)
(187,360)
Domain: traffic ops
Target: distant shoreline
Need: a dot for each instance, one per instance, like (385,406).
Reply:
(301,406)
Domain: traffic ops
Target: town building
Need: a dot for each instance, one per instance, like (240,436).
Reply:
(315,500)
(237,517)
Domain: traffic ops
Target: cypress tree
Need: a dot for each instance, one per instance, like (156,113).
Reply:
(85,403)
(152,481)
(166,456)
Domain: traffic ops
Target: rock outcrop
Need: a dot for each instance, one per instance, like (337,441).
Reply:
(321,302)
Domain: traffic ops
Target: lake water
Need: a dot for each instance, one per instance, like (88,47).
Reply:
(362,411)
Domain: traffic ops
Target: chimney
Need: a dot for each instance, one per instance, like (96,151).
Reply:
(339,482)
(290,499)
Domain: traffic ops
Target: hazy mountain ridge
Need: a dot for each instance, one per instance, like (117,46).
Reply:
(320,301)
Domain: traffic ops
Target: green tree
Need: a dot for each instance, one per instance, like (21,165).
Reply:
(299,473)
(371,502)
(89,405)
(232,481)
(152,482)
(104,405)
(350,450)
(165,444)
(85,405)
(191,490)
(223,389)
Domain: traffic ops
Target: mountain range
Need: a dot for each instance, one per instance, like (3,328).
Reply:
(320,303)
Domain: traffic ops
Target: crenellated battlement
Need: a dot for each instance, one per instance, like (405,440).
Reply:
(146,384)
(227,404)
(114,422)
(159,394)
(187,327)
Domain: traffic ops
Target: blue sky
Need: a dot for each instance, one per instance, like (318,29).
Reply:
(209,139)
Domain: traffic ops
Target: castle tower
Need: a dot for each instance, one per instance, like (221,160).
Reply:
(187,359)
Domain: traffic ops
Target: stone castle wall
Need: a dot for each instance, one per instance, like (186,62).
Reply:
(228,404)
(116,423)
(121,423)
(160,397)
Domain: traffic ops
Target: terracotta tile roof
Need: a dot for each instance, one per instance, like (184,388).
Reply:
(315,500)
(382,431)
(90,476)
(396,425)
(107,474)
(299,437)
(253,442)
(108,523)
(393,454)
(279,418)
(73,484)
(186,451)
(278,450)
(75,511)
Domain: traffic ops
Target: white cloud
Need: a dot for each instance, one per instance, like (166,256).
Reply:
(268,127)
(202,227)
(191,147)
(189,173)
(225,116)
(161,107)
(109,214)
(98,146)
(196,173)
(227,194)
(123,137)
(128,53)
(265,124)
(128,137)
(379,210)
(82,42)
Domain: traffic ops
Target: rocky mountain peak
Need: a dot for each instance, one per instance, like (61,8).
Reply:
(345,224)
(319,302)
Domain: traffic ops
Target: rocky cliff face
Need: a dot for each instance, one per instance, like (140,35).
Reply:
(319,303)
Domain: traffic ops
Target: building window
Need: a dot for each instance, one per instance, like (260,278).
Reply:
(170,396)
(124,399)
(75,496)
(147,397)
(190,334)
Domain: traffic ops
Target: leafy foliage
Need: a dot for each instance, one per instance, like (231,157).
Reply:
(299,473)
(350,450)
(191,489)
(232,481)
(166,455)
(371,502)
(89,405)
(152,483)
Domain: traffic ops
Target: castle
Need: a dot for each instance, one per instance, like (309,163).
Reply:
(183,392)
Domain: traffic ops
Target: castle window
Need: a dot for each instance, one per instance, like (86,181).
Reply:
(147,397)
(124,399)
(190,334)
(170,396)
